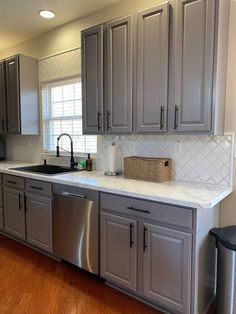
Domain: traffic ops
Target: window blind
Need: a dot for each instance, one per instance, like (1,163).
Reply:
(62,113)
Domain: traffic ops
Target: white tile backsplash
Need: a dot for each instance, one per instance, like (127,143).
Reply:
(195,158)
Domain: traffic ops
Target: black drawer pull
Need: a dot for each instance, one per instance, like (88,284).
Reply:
(144,239)
(145,211)
(35,187)
(131,241)
(11,182)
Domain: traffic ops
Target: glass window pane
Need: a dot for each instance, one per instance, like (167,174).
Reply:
(62,113)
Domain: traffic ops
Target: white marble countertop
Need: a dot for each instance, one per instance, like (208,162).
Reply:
(195,195)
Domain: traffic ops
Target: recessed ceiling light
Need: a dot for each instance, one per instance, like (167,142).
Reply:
(47,14)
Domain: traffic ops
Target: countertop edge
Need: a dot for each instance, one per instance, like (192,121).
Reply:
(161,199)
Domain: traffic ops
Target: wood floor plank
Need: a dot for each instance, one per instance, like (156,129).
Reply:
(31,283)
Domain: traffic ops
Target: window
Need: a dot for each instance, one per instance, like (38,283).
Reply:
(62,113)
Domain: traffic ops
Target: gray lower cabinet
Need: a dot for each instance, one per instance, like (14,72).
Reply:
(119,250)
(142,250)
(14,213)
(167,267)
(39,221)
(152,69)
(92,79)
(193,29)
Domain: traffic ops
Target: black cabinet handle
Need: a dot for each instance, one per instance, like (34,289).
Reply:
(19,200)
(131,241)
(144,239)
(108,118)
(162,117)
(35,187)
(25,202)
(98,117)
(145,211)
(11,182)
(176,117)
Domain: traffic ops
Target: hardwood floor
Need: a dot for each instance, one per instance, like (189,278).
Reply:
(32,283)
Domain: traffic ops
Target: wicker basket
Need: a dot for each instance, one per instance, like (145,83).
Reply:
(148,169)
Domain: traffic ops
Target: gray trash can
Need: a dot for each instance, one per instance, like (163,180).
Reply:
(226,269)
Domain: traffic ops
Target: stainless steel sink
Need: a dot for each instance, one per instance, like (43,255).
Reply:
(46,169)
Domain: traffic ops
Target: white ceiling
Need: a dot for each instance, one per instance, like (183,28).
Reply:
(20,20)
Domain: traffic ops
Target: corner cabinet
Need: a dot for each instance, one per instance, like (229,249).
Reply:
(19,88)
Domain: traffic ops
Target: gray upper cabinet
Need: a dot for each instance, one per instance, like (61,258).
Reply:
(119,75)
(92,80)
(175,78)
(195,26)
(2,98)
(22,95)
(39,221)
(119,250)
(152,69)
(14,213)
(13,93)
(167,267)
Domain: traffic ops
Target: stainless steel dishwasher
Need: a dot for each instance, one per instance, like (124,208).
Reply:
(76,226)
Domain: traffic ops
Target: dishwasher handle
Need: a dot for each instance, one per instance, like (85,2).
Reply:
(73,195)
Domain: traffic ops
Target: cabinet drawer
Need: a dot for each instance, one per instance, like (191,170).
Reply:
(171,215)
(13,181)
(40,187)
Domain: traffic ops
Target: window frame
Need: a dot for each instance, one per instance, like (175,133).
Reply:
(46,116)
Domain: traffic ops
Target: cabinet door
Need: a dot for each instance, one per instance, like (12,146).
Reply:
(14,213)
(13,95)
(167,267)
(39,221)
(92,80)
(193,49)
(2,98)
(152,69)
(119,250)
(119,85)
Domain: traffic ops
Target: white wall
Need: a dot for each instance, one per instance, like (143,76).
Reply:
(228,207)
(68,37)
